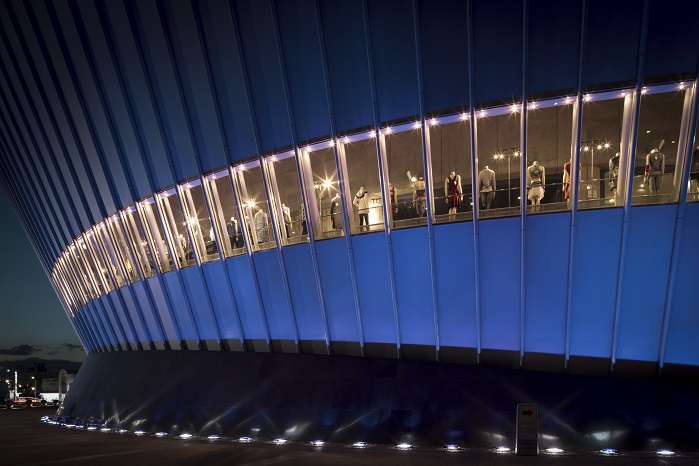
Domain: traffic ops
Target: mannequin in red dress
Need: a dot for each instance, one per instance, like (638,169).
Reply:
(452,188)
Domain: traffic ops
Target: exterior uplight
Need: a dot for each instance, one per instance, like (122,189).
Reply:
(359,444)
(245,439)
(609,451)
(279,441)
(317,443)
(554,450)
(502,449)
(404,446)
(186,436)
(665,452)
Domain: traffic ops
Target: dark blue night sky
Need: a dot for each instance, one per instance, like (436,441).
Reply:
(33,322)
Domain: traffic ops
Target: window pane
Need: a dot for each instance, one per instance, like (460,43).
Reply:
(68,274)
(325,205)
(361,163)
(133,232)
(119,237)
(406,177)
(84,275)
(602,159)
(255,208)
(156,235)
(549,135)
(106,258)
(287,201)
(198,222)
(450,151)
(498,161)
(656,148)
(175,229)
(94,268)
(219,192)
(72,297)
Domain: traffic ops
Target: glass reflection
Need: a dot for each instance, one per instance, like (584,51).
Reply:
(106,259)
(248,181)
(139,244)
(118,236)
(406,178)
(323,192)
(287,202)
(361,164)
(91,275)
(156,235)
(68,275)
(219,192)
(497,142)
(449,145)
(659,125)
(81,273)
(175,228)
(549,133)
(198,221)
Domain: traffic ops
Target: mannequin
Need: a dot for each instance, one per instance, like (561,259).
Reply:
(361,202)
(536,182)
(261,222)
(486,187)
(394,201)
(655,166)
(286,212)
(336,212)
(233,233)
(419,197)
(566,179)
(614,175)
(304,225)
(453,192)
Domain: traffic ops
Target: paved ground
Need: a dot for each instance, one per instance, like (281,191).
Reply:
(24,440)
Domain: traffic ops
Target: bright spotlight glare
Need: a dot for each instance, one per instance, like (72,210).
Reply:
(554,450)
(451,447)
(161,434)
(245,439)
(665,452)
(609,451)
(279,441)
(404,446)
(317,443)
(213,437)
(185,436)
(105,429)
(502,449)
(139,432)
(359,444)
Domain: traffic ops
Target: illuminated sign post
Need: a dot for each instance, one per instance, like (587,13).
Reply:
(527,442)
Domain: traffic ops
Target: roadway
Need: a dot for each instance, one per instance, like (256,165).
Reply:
(25,440)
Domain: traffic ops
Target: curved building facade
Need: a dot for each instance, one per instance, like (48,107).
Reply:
(508,183)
